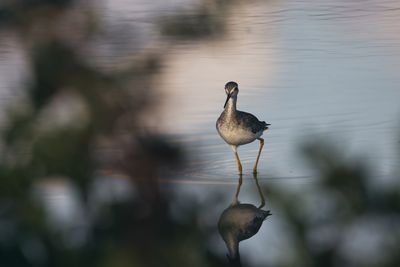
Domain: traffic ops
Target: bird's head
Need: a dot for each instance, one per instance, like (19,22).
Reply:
(231,90)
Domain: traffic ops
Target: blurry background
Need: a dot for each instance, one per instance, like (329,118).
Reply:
(109,154)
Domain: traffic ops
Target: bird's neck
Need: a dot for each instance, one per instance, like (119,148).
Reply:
(231,106)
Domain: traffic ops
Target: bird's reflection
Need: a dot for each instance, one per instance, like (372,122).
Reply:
(241,221)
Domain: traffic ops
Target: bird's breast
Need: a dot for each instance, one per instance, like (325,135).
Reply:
(235,134)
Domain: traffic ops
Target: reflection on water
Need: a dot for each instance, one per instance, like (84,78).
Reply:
(241,221)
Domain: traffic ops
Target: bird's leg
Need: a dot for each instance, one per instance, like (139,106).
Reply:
(234,148)
(259,153)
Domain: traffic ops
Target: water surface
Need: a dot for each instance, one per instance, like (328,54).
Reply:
(328,69)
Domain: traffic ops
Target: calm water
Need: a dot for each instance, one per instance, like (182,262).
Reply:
(328,69)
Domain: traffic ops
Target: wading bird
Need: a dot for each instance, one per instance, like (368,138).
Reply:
(238,127)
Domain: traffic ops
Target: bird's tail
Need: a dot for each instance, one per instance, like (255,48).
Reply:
(266,125)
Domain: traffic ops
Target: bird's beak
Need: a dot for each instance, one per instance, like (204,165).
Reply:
(227,98)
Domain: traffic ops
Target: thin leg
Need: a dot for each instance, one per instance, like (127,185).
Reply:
(234,148)
(259,153)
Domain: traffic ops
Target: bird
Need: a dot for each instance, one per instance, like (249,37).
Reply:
(238,127)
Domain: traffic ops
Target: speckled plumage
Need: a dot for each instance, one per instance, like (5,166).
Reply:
(239,128)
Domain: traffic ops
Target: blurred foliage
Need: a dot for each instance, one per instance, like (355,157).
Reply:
(345,218)
(101,135)
(207,21)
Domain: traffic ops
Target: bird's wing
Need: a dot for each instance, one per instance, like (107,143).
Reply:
(250,121)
